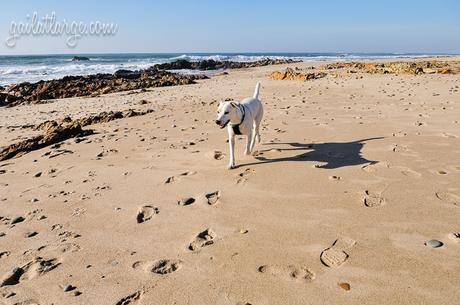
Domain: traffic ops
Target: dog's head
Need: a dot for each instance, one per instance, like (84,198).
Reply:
(226,113)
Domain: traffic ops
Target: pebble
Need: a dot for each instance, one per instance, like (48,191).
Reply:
(433,243)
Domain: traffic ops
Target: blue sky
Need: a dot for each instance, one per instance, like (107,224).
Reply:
(181,26)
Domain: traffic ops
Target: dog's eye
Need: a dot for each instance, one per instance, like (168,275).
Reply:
(226,112)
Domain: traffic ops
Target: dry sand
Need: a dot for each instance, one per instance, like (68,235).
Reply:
(354,174)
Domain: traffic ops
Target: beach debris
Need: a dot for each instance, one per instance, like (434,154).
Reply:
(345,286)
(434,243)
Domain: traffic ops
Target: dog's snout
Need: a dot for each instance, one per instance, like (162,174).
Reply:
(218,122)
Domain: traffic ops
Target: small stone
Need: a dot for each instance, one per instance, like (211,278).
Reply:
(345,286)
(76,293)
(33,200)
(434,243)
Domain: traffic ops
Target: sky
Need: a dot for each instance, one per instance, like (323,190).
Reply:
(216,26)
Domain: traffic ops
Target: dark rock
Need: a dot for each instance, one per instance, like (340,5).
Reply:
(80,58)
(128,74)
(210,64)
(6,99)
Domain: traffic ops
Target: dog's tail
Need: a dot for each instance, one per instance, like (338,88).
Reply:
(256,92)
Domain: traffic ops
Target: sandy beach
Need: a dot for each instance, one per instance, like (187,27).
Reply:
(355,174)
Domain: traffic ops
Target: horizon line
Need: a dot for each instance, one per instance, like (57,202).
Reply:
(241,52)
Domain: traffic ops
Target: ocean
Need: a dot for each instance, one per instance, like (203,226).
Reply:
(33,68)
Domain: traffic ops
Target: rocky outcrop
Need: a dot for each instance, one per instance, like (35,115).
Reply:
(93,85)
(399,67)
(290,74)
(80,58)
(211,64)
(55,131)
(51,135)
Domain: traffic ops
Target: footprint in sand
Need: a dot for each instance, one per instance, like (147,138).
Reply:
(291,272)
(373,199)
(213,197)
(162,266)
(243,176)
(146,213)
(131,299)
(453,236)
(336,255)
(448,198)
(218,155)
(203,239)
(186,201)
(32,269)
(176,178)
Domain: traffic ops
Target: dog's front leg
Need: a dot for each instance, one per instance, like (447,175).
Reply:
(231,144)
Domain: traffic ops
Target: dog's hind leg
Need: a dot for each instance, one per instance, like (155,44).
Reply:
(255,131)
(247,151)
(257,121)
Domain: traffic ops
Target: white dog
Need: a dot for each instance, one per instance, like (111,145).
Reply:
(241,119)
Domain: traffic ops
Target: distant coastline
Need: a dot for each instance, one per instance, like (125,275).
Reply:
(33,68)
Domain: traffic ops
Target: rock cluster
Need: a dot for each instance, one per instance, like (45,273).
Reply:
(399,67)
(290,74)
(121,80)
(92,85)
(56,131)
(211,64)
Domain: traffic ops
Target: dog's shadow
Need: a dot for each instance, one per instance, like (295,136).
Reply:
(333,154)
